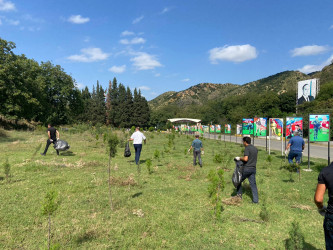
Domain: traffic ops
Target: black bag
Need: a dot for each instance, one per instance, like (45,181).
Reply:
(237,175)
(127,152)
(61,145)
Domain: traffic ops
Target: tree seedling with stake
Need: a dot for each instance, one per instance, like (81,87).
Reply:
(113,141)
(149,164)
(49,206)
(215,190)
(157,155)
(6,167)
(296,240)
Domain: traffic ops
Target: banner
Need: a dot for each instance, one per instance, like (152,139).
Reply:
(183,127)
(247,126)
(307,90)
(206,129)
(260,126)
(211,129)
(319,128)
(200,129)
(276,127)
(239,129)
(227,128)
(294,124)
(218,129)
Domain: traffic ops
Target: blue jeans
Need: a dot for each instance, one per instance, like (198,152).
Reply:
(328,229)
(249,173)
(294,154)
(137,148)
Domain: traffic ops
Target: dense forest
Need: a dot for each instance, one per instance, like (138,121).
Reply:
(44,93)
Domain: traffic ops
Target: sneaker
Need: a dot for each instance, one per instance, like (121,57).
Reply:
(42,154)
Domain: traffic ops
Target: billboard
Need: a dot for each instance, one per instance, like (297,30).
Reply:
(307,90)
(206,129)
(260,126)
(239,129)
(211,129)
(294,124)
(227,128)
(247,126)
(218,129)
(319,127)
(276,127)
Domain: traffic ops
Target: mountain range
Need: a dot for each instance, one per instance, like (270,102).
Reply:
(201,93)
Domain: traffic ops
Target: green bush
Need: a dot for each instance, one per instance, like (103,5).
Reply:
(218,158)
(149,164)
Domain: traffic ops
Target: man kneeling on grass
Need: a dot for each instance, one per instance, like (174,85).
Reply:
(249,169)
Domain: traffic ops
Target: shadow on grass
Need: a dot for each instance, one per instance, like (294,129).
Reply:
(306,245)
(11,139)
(1,178)
(85,237)
(137,195)
(290,180)
(67,153)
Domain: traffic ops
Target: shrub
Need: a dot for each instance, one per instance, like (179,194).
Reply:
(149,164)
(151,129)
(6,167)
(218,158)
(215,190)
(296,240)
(157,155)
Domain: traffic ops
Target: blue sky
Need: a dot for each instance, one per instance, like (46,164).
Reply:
(168,45)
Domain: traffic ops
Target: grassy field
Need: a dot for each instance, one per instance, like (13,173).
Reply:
(169,208)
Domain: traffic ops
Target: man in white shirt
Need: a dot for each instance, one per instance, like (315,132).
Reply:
(137,138)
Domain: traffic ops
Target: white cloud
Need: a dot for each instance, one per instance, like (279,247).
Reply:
(118,69)
(235,53)
(89,55)
(309,50)
(331,27)
(306,69)
(165,10)
(137,20)
(78,19)
(144,61)
(127,33)
(186,80)
(6,5)
(157,74)
(135,40)
(5,20)
(80,85)
(144,88)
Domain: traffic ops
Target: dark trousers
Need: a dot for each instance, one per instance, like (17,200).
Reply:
(294,154)
(249,173)
(197,153)
(48,143)
(328,229)
(137,148)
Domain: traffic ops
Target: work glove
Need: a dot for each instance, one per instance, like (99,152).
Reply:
(188,150)
(286,152)
(322,211)
(51,140)
(202,152)
(237,158)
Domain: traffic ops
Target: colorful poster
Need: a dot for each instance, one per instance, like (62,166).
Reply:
(247,126)
(319,128)
(188,128)
(218,129)
(211,129)
(206,129)
(293,125)
(260,126)
(307,90)
(227,128)
(275,127)
(200,129)
(239,129)
(183,127)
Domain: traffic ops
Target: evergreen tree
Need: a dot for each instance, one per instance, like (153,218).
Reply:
(127,115)
(113,108)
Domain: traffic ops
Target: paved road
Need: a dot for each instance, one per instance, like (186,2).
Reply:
(317,150)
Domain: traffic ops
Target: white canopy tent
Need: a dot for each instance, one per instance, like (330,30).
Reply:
(184,120)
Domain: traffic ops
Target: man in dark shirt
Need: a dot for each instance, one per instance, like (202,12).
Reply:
(249,168)
(197,147)
(325,181)
(53,135)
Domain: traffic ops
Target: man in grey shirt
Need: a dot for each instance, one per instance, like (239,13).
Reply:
(249,168)
(197,147)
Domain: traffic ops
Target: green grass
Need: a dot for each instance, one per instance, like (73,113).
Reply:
(169,208)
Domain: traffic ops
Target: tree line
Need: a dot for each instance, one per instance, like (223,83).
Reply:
(45,93)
